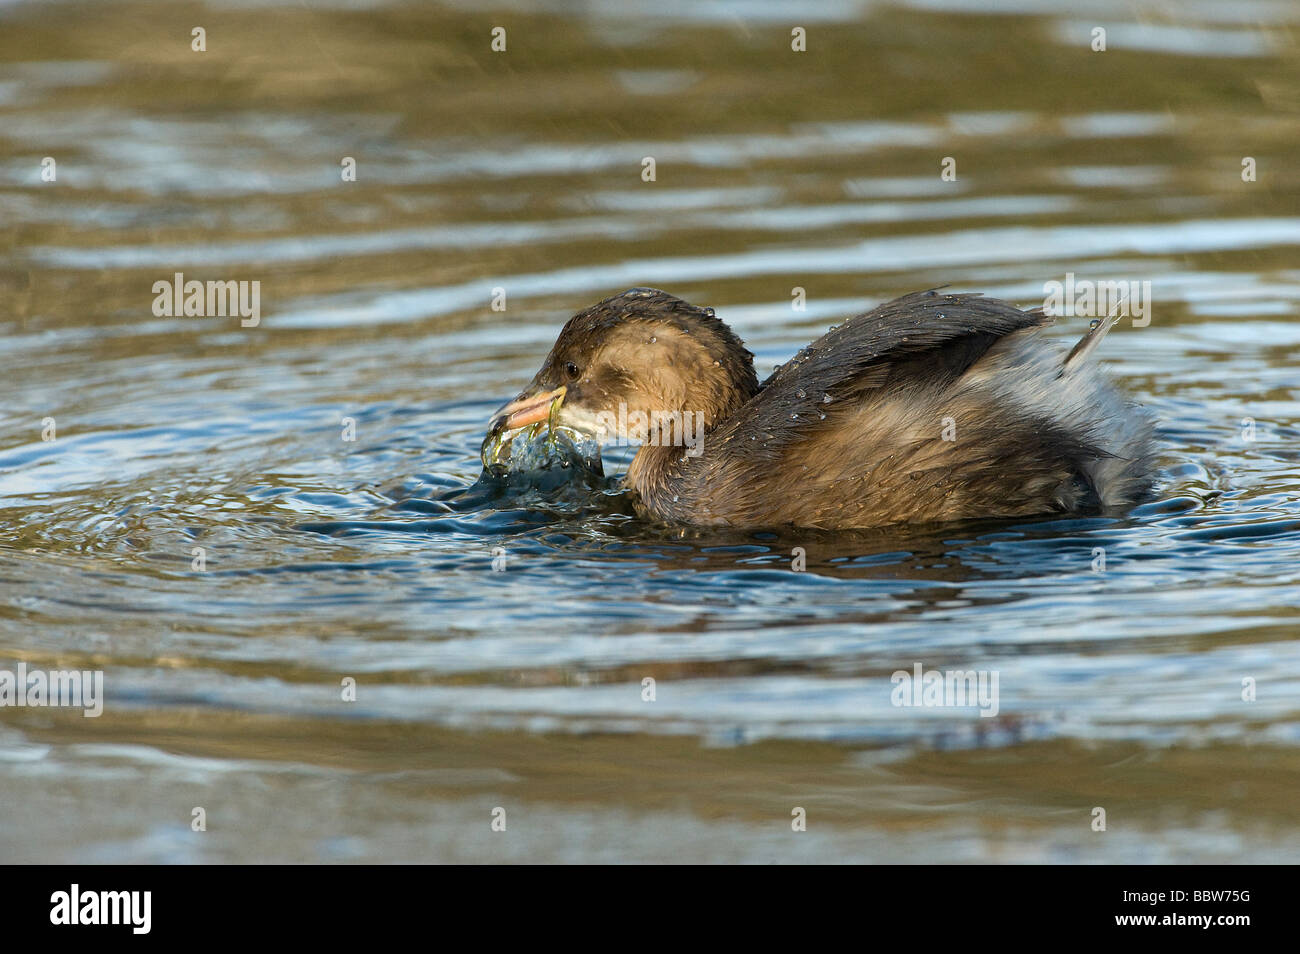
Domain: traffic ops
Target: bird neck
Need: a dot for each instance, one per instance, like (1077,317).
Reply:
(675,445)
(668,456)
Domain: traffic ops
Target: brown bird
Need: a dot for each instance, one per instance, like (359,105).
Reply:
(931,407)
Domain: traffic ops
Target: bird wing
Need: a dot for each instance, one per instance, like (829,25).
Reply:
(922,337)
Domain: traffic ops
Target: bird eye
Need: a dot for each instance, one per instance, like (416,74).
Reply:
(571,370)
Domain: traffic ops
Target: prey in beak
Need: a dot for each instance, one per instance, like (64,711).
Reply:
(526,409)
(548,442)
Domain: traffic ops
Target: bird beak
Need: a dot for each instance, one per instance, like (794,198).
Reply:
(526,409)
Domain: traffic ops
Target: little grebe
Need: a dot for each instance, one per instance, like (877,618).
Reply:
(931,407)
